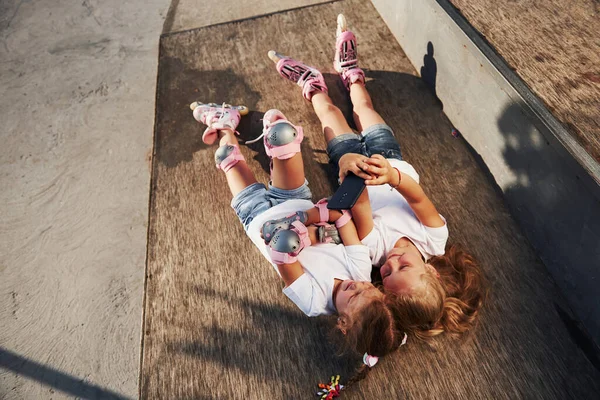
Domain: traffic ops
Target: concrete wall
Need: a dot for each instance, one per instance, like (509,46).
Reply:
(190,14)
(549,182)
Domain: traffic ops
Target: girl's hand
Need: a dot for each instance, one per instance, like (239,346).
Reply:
(312,234)
(354,163)
(381,170)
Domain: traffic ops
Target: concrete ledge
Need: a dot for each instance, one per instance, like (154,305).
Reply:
(550,183)
(190,14)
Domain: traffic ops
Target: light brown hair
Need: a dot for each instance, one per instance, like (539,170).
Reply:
(449,303)
(372,330)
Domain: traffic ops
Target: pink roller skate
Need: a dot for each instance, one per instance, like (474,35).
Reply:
(217,117)
(308,78)
(346,55)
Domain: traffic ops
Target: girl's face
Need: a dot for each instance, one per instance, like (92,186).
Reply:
(403,269)
(352,296)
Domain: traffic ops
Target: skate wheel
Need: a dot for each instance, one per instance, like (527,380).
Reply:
(342,25)
(274,56)
(195,104)
(243,110)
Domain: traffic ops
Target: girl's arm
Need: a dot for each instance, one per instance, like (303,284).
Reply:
(348,232)
(382,172)
(362,215)
(361,212)
(290,272)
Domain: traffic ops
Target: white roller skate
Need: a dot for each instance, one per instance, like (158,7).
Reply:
(217,117)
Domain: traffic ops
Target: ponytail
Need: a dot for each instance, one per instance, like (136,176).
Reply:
(465,293)
(373,333)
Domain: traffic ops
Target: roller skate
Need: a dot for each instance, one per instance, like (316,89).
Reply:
(345,61)
(308,78)
(217,117)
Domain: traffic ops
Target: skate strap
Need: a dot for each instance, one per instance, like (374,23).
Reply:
(353,75)
(293,70)
(281,258)
(211,133)
(346,46)
(309,79)
(323,210)
(231,159)
(343,220)
(302,231)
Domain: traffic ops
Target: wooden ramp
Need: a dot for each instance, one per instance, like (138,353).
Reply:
(555,47)
(216,323)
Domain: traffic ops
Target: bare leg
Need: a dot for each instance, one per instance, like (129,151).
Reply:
(332,120)
(239,176)
(288,174)
(363,112)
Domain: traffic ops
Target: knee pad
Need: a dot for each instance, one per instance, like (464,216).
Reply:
(282,139)
(227,156)
(270,227)
(285,245)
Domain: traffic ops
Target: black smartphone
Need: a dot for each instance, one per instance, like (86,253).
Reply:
(349,191)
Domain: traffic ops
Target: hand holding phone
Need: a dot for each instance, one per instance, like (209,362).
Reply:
(348,193)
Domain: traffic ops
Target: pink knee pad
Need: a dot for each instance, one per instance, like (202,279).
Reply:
(227,156)
(287,243)
(282,138)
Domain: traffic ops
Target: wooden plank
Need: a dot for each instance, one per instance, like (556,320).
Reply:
(554,47)
(217,325)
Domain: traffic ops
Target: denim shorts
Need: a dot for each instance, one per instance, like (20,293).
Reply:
(376,139)
(256,199)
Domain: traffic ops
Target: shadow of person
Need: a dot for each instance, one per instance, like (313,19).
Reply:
(554,212)
(234,348)
(429,71)
(178,134)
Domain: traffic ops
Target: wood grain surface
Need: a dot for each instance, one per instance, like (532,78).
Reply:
(216,323)
(554,46)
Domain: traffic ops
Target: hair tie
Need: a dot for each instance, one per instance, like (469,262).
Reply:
(404,339)
(330,390)
(370,361)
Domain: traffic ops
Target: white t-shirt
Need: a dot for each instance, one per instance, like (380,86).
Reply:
(394,219)
(322,263)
